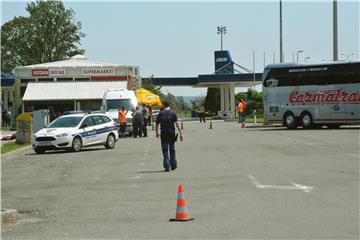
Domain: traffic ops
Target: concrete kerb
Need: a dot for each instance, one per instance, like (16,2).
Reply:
(9,215)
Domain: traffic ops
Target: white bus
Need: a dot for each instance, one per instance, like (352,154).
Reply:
(312,95)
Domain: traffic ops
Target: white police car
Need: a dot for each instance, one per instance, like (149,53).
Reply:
(75,131)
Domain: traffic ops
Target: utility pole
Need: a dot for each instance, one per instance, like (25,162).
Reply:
(281,47)
(254,69)
(264,59)
(335,32)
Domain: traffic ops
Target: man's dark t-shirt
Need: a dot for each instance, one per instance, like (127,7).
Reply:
(167,119)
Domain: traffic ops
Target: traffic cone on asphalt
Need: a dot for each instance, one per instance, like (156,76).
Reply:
(182,214)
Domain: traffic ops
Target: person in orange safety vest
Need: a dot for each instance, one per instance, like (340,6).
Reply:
(122,121)
(241,111)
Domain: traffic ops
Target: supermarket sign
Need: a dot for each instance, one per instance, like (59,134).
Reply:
(51,72)
(98,71)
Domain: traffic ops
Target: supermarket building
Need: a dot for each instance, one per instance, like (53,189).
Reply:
(72,84)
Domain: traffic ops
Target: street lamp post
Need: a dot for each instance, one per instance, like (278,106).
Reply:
(297,55)
(221,30)
(347,56)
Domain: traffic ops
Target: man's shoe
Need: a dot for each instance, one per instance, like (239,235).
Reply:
(173,168)
(167,169)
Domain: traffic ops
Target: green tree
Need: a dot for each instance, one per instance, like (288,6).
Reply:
(197,102)
(148,85)
(212,100)
(49,34)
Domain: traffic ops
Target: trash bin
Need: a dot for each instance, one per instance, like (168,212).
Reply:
(24,128)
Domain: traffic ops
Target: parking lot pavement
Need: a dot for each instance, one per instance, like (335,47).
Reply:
(239,184)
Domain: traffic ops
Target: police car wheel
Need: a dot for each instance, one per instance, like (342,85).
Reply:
(39,150)
(110,142)
(76,144)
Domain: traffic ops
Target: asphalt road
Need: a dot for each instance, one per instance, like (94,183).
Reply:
(263,183)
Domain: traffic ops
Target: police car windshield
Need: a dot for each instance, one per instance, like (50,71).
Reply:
(64,122)
(115,104)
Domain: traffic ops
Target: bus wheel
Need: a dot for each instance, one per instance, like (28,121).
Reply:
(290,121)
(307,120)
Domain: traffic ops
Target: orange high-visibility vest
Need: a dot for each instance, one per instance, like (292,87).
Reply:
(245,104)
(122,116)
(241,107)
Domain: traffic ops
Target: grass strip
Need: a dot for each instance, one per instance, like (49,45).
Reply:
(8,147)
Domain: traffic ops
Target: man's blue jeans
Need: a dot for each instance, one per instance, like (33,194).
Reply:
(166,149)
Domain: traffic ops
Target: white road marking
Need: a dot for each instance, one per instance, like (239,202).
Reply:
(294,186)
(138,176)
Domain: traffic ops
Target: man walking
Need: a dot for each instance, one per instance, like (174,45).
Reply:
(167,120)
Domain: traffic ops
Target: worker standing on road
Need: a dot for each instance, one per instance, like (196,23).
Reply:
(149,115)
(241,110)
(138,121)
(202,113)
(122,121)
(167,119)
(144,125)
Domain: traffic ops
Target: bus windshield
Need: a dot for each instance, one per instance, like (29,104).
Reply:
(115,104)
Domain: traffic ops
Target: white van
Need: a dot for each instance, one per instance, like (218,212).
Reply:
(114,99)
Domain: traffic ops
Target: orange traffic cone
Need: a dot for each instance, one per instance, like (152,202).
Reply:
(182,214)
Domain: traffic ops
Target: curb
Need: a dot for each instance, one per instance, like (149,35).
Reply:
(9,215)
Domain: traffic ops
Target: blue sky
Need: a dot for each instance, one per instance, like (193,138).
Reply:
(169,38)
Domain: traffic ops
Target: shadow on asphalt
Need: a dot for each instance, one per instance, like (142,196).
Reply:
(65,151)
(155,171)
(302,129)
